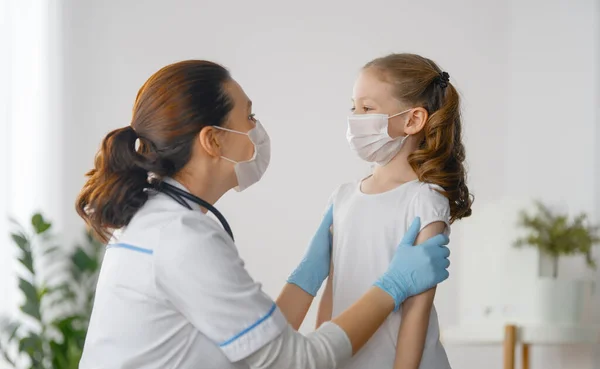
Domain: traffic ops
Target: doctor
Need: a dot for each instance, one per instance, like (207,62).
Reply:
(173,291)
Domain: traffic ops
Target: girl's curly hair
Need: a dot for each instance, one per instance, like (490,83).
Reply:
(439,159)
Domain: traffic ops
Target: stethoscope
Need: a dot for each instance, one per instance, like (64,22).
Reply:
(180,196)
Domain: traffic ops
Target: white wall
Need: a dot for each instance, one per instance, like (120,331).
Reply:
(597,156)
(550,148)
(30,124)
(6,275)
(522,68)
(552,126)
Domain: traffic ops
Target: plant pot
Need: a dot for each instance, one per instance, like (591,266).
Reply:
(558,301)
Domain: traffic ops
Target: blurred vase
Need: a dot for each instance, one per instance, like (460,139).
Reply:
(558,301)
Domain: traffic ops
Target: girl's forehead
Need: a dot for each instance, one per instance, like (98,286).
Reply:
(369,86)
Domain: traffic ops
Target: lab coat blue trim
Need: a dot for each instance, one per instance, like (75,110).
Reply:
(130,247)
(232,339)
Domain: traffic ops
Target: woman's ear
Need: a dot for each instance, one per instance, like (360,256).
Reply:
(209,141)
(416,121)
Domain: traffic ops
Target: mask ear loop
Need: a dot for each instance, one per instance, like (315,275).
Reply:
(402,112)
(232,131)
(395,115)
(239,133)
(229,160)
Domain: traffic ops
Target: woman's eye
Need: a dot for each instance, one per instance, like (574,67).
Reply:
(353,109)
(252,117)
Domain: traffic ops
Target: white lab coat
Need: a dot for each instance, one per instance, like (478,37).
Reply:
(174,293)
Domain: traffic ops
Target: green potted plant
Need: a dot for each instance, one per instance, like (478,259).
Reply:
(554,235)
(58,289)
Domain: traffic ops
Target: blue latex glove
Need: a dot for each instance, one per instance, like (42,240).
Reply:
(314,267)
(414,270)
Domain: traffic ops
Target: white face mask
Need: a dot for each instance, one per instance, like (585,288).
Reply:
(251,171)
(368,136)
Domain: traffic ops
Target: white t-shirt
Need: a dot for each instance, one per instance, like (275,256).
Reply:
(173,293)
(366,231)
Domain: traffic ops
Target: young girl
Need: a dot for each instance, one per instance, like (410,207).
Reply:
(406,119)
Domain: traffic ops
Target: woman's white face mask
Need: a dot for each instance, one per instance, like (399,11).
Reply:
(368,136)
(251,171)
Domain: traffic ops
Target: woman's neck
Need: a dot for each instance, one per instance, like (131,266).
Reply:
(202,185)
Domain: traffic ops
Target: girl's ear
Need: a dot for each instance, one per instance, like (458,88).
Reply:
(416,121)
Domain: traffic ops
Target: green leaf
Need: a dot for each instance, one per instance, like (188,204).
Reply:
(83,261)
(11,330)
(73,331)
(558,234)
(39,224)
(6,357)
(67,354)
(21,240)
(74,353)
(31,344)
(27,260)
(32,308)
(52,250)
(29,290)
(59,359)
(69,282)
(61,294)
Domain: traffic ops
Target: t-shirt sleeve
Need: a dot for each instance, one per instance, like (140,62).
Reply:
(199,271)
(431,206)
(331,200)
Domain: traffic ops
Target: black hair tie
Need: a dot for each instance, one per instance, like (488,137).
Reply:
(442,80)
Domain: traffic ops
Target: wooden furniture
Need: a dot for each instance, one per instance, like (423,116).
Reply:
(510,341)
(510,335)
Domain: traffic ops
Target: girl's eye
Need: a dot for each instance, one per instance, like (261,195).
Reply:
(364,109)
(252,117)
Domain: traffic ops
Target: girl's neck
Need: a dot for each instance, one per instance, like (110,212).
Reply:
(395,173)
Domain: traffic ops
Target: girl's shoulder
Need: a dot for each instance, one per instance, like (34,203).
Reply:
(427,188)
(425,192)
(430,204)
(344,191)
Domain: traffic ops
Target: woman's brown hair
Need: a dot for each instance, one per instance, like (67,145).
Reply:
(418,81)
(170,110)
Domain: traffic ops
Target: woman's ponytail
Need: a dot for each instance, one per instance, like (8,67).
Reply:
(116,187)
(170,110)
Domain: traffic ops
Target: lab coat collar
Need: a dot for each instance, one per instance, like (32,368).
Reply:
(175,183)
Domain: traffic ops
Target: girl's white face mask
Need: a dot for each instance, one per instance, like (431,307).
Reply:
(251,171)
(368,136)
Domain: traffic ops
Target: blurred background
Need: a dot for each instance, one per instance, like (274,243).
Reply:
(528,72)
